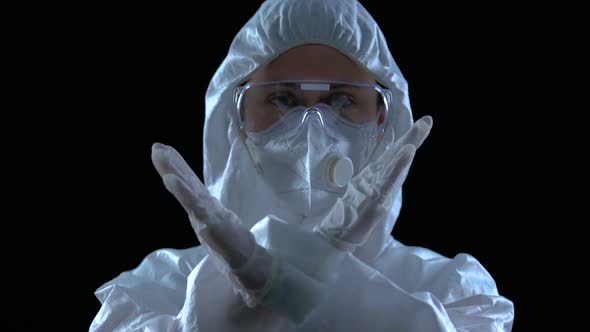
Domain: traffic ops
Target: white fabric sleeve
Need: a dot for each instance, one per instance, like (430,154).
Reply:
(149,297)
(414,289)
(363,299)
(462,285)
(316,288)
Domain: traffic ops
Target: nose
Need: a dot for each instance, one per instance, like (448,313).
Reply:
(313,114)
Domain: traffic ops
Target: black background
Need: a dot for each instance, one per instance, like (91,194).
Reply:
(137,74)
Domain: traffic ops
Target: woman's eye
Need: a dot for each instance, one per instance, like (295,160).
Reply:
(283,100)
(340,101)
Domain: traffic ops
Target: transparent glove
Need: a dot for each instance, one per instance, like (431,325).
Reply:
(368,197)
(256,275)
(231,244)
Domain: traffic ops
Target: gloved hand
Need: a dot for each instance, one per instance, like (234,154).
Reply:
(366,201)
(217,228)
(261,277)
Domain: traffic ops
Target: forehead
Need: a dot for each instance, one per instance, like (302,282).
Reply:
(312,62)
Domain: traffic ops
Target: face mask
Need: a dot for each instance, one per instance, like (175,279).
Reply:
(309,156)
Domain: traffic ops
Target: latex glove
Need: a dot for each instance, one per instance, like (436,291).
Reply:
(218,228)
(261,277)
(367,199)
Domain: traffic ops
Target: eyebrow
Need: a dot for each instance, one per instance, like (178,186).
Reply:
(315,86)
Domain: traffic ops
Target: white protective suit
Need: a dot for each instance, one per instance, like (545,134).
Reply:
(381,285)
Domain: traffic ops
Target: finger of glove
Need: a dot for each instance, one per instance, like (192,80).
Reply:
(417,133)
(385,165)
(167,160)
(373,211)
(213,223)
(397,176)
(198,204)
(235,245)
(378,165)
(414,136)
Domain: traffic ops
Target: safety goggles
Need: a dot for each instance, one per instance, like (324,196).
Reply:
(260,105)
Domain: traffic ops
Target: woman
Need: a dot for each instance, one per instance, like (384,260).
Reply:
(308,139)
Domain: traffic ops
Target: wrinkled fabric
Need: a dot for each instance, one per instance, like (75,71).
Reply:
(383,286)
(405,288)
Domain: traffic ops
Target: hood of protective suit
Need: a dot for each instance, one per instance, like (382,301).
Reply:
(278,26)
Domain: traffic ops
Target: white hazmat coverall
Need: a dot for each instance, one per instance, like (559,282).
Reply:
(264,267)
